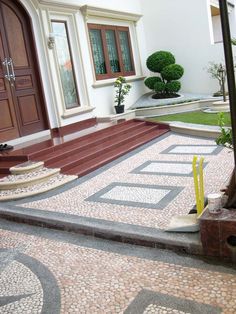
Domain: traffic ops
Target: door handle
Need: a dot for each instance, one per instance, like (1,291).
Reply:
(12,75)
(6,64)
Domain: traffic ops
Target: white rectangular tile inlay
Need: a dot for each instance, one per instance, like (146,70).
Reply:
(135,194)
(168,168)
(193,149)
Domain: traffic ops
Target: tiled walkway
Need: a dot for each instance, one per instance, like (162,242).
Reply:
(144,188)
(46,271)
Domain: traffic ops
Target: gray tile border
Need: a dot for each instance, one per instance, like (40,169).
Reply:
(173,192)
(124,247)
(139,170)
(51,291)
(147,297)
(216,151)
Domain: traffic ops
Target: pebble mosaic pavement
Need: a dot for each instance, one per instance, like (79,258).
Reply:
(94,276)
(127,208)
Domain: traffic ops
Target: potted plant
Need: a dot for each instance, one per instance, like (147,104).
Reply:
(122,89)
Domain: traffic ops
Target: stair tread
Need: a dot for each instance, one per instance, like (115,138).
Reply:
(97,133)
(82,144)
(101,160)
(106,145)
(67,153)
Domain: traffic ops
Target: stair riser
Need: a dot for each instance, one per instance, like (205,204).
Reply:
(20,158)
(102,142)
(88,169)
(82,173)
(4,170)
(104,150)
(89,136)
(49,161)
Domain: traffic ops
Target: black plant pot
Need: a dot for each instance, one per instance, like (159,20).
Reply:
(120,108)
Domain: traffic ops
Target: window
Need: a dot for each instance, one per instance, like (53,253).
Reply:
(216,24)
(66,69)
(111,49)
(215,20)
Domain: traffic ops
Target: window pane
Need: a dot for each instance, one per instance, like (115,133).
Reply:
(98,55)
(125,50)
(65,64)
(112,51)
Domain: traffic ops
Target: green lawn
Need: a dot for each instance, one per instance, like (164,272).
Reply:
(197,117)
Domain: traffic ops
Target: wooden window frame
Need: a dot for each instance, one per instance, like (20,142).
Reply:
(76,105)
(103,28)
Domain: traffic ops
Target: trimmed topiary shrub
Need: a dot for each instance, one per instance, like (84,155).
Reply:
(159,87)
(159,60)
(173,87)
(150,81)
(172,72)
(165,85)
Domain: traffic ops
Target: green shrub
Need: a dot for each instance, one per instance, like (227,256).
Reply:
(165,85)
(159,60)
(172,72)
(150,81)
(159,87)
(173,87)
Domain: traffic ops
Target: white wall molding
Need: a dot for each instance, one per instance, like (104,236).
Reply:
(90,11)
(59,5)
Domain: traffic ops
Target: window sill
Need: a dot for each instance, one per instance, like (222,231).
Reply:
(110,82)
(76,111)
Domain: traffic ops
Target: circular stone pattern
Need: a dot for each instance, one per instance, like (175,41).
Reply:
(26,285)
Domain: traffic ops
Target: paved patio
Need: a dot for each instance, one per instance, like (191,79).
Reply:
(134,196)
(48,271)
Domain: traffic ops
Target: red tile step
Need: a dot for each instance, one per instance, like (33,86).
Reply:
(101,148)
(87,146)
(85,153)
(85,142)
(6,165)
(102,159)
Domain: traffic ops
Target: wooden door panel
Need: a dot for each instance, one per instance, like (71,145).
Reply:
(15,36)
(2,85)
(8,122)
(28,109)
(26,89)
(23,82)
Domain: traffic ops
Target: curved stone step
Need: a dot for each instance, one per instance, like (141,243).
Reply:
(52,183)
(26,167)
(26,179)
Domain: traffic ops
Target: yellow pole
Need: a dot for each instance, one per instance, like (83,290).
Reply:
(201,184)
(195,177)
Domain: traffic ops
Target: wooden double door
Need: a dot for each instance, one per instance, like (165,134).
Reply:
(22,108)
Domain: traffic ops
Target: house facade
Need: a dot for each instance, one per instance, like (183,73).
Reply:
(59,59)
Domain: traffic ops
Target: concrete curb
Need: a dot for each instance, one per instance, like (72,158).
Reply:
(119,232)
(195,129)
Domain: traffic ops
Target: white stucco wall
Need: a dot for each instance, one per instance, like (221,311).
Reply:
(101,97)
(180,26)
(183,28)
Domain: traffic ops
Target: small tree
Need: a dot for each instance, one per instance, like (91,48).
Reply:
(165,85)
(218,72)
